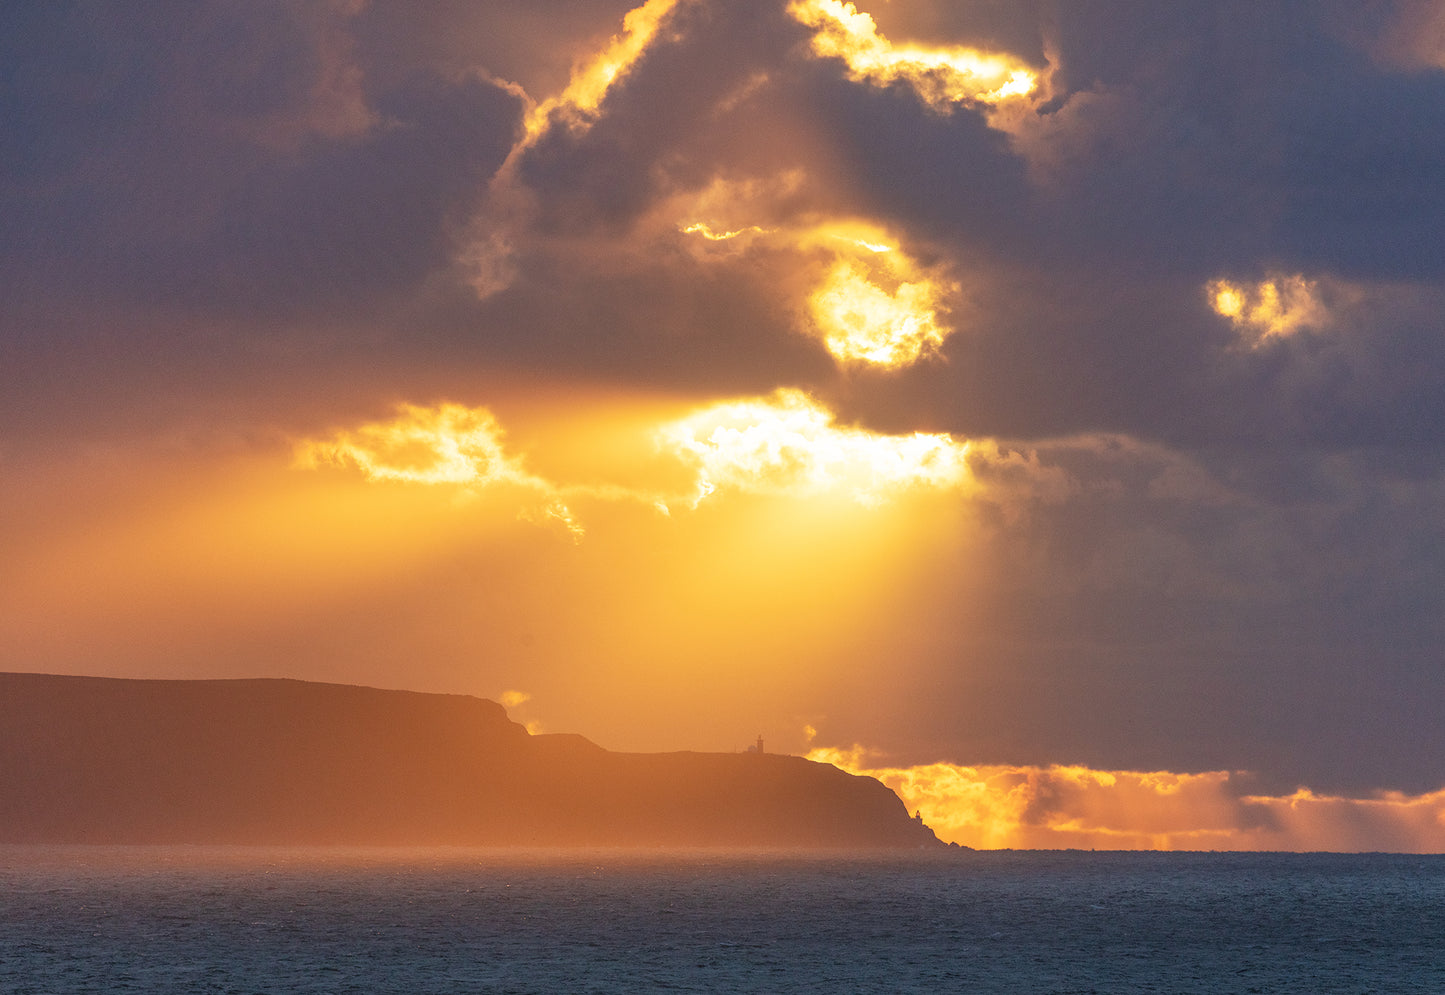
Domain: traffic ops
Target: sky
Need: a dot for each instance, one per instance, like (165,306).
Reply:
(1039,405)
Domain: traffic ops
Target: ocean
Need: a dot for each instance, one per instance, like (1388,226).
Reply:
(262,920)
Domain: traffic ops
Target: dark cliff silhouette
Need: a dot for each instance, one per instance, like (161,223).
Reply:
(104,760)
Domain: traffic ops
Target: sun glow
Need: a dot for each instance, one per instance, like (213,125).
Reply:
(875,305)
(862,322)
(788,444)
(785,444)
(942,77)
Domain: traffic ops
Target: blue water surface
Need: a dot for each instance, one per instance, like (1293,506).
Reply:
(262,920)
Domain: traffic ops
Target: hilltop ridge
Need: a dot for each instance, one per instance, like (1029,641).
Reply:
(112,760)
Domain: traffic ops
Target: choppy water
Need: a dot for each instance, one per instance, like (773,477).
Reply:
(159,920)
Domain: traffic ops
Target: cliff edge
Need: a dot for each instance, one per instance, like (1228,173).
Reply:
(106,760)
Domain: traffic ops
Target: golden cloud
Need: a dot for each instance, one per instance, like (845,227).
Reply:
(487,255)
(706,231)
(1276,307)
(445,444)
(787,443)
(511,699)
(577,105)
(942,77)
(874,304)
(863,322)
(1055,807)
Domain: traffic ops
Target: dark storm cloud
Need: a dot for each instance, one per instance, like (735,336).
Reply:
(231,160)
(1184,137)
(678,325)
(1243,129)
(301,162)
(661,127)
(533,43)
(1184,143)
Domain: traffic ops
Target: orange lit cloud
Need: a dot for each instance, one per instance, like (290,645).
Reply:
(445,444)
(861,321)
(1057,807)
(578,104)
(698,228)
(1276,307)
(874,305)
(511,699)
(785,444)
(727,208)
(487,256)
(942,77)
(788,444)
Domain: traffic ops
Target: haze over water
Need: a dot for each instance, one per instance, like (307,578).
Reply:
(234,920)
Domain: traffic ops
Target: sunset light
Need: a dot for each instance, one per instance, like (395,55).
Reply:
(1047,396)
(786,444)
(448,444)
(942,77)
(1273,308)
(577,105)
(789,444)
(874,305)
(1020,807)
(863,322)
(698,228)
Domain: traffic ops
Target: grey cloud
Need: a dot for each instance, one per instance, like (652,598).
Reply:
(178,156)
(1186,144)
(662,125)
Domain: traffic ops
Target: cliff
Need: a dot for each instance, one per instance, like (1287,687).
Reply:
(106,760)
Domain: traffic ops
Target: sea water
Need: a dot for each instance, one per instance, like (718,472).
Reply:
(251,920)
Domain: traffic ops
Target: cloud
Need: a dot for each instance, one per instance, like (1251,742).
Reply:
(446,444)
(1107,598)
(861,322)
(941,76)
(788,444)
(228,163)
(872,305)
(1408,35)
(512,699)
(1274,307)
(578,105)
(1063,807)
